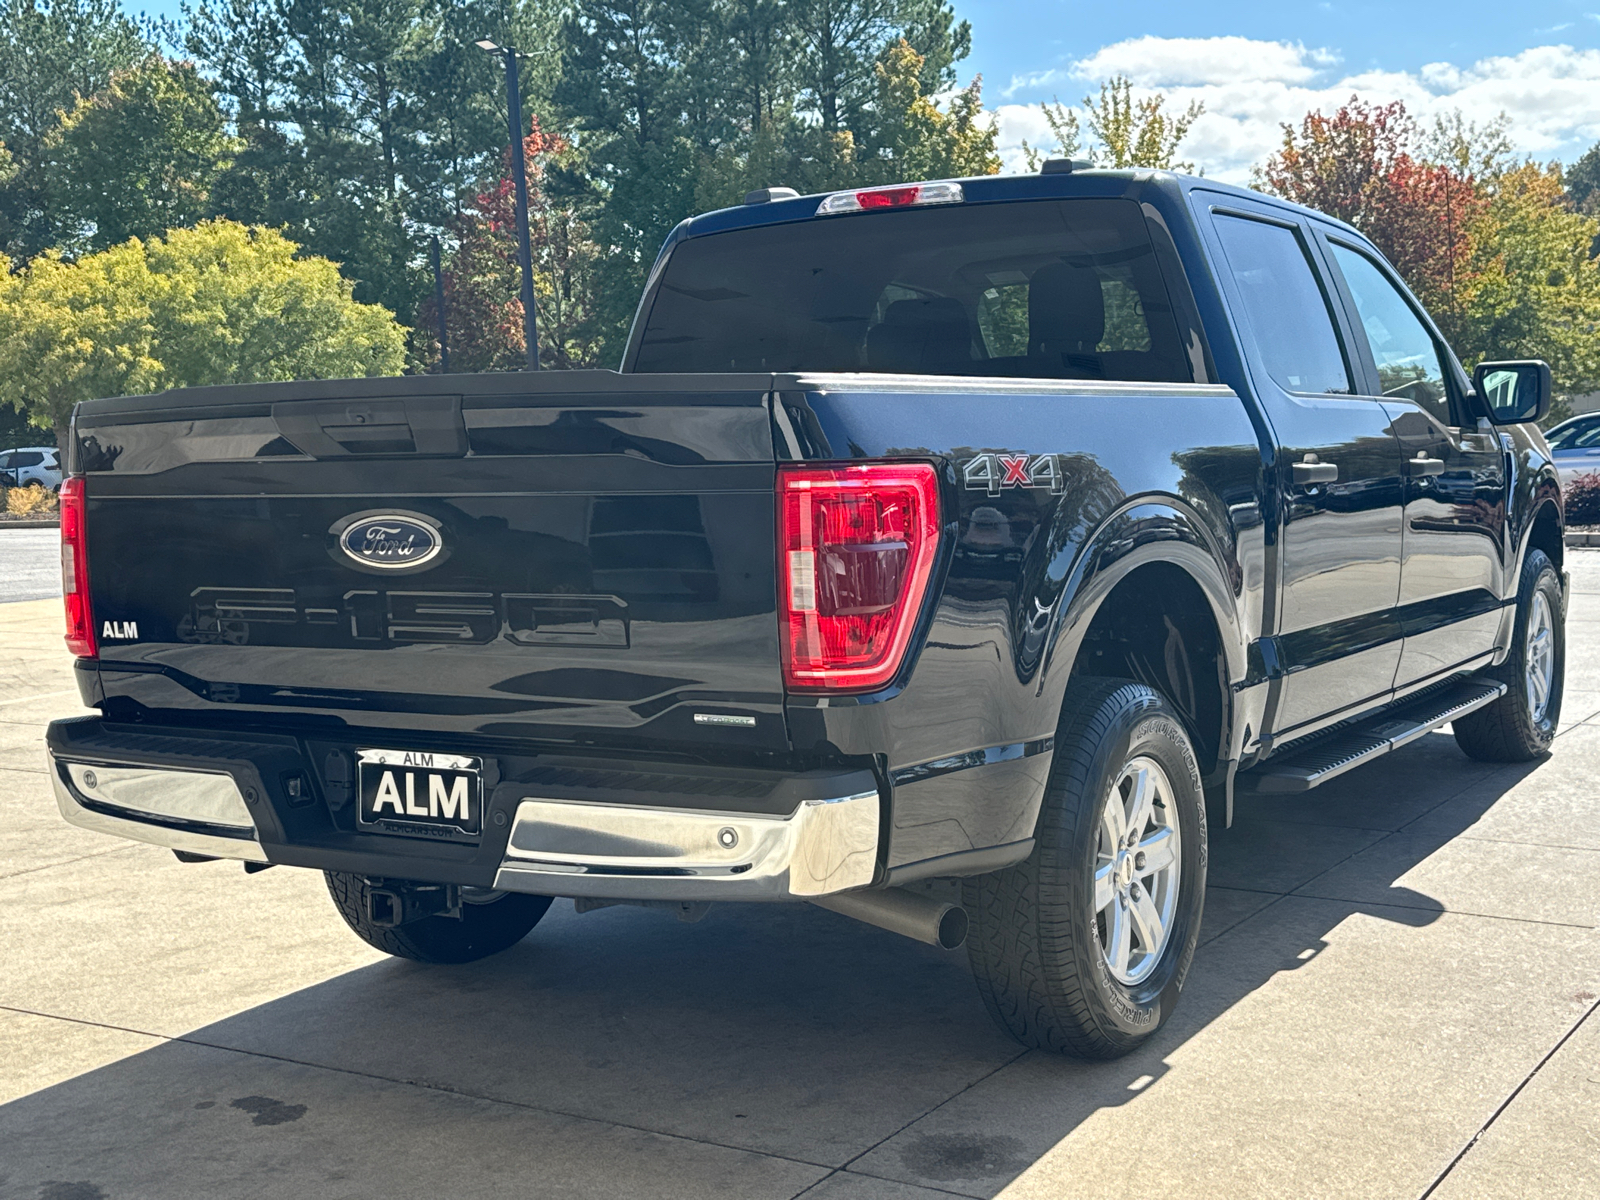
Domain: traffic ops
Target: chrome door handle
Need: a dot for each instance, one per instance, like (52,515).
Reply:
(1423,465)
(1310,470)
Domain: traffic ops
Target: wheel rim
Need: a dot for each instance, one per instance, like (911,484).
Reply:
(1539,657)
(1137,868)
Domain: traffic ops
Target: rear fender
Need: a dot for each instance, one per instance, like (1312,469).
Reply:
(1144,533)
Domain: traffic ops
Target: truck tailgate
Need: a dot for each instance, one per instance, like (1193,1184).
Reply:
(578,556)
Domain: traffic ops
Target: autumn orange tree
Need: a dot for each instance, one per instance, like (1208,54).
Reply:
(482,288)
(1365,165)
(1492,247)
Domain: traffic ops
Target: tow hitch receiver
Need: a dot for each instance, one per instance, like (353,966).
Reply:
(392,904)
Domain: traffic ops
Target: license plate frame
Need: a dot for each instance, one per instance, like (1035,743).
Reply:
(420,794)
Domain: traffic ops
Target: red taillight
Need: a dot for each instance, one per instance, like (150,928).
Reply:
(75,571)
(857,545)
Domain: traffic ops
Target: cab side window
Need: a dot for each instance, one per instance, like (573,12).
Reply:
(1408,359)
(1284,306)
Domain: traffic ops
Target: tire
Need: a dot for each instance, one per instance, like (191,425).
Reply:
(1036,941)
(485,926)
(1519,726)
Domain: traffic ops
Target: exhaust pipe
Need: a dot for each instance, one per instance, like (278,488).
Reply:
(914,916)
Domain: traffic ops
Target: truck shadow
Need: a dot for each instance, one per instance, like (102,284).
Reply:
(786,1031)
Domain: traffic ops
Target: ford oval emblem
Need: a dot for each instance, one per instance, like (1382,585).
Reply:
(389,542)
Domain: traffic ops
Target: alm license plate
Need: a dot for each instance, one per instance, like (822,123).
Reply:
(418,794)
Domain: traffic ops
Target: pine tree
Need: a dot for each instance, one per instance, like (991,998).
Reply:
(53,53)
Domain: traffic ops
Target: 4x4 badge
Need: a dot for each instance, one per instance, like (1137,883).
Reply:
(993,473)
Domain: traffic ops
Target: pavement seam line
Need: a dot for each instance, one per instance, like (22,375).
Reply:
(1506,1103)
(1448,912)
(67,862)
(33,1012)
(1519,842)
(41,696)
(927,1187)
(889,1137)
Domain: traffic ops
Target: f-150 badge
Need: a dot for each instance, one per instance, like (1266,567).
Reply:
(994,473)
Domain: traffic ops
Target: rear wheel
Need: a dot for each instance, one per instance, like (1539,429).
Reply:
(489,923)
(1084,947)
(1520,725)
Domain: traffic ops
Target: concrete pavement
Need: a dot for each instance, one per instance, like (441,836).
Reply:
(30,564)
(1396,998)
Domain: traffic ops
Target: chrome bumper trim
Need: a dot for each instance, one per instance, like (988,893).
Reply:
(626,852)
(156,830)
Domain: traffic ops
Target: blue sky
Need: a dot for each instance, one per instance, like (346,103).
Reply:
(1015,37)
(1255,64)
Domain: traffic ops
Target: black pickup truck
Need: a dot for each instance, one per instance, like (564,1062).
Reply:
(996,530)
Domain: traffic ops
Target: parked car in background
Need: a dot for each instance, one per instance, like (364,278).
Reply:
(31,464)
(1575,446)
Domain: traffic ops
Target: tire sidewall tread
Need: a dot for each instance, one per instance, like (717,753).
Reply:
(1505,730)
(1036,952)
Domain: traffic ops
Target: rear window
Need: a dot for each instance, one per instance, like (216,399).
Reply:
(1055,289)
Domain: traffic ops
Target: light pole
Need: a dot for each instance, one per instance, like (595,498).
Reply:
(519,173)
(438,305)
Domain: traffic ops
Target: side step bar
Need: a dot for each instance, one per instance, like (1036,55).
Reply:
(1328,756)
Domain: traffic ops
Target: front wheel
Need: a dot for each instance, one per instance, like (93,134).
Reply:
(489,923)
(1520,726)
(1084,947)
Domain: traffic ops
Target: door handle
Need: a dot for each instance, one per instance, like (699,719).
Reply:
(1310,470)
(1423,465)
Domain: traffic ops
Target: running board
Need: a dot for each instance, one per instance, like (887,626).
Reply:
(1331,755)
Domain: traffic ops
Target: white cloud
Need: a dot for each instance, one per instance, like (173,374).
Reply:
(1250,89)
(1169,62)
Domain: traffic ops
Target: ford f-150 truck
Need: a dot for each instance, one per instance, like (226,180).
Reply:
(997,530)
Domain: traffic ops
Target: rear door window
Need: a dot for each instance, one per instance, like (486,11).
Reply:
(1062,289)
(1285,308)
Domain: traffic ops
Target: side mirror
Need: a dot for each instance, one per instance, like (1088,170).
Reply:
(1515,391)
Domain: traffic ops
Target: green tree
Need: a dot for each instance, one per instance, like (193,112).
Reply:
(1137,133)
(914,140)
(367,125)
(216,303)
(139,157)
(52,54)
(1127,131)
(1534,287)
(1582,180)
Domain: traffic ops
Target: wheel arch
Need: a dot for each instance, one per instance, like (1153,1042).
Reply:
(1154,597)
(1544,532)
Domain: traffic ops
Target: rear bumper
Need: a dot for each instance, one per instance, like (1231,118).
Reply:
(567,831)
(624,852)
(192,837)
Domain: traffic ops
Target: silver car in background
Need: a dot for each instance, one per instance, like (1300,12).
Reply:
(1575,446)
(29,465)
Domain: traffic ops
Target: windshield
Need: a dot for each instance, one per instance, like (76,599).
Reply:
(1059,289)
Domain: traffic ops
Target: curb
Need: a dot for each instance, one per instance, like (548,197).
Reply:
(1583,539)
(57,525)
